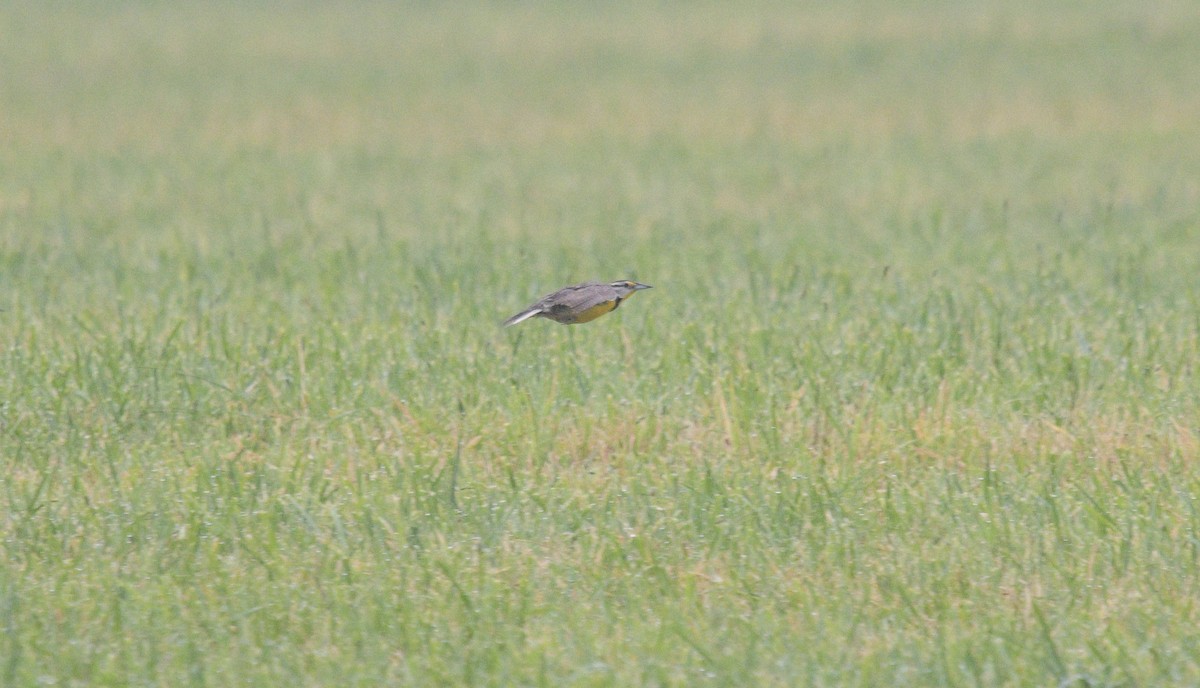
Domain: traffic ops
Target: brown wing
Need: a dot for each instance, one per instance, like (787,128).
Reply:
(579,297)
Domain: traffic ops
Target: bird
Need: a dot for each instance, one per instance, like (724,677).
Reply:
(579,303)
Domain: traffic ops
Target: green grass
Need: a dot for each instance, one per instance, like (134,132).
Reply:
(915,400)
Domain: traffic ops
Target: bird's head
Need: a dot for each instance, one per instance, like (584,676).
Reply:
(626,287)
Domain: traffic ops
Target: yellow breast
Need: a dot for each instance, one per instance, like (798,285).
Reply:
(595,311)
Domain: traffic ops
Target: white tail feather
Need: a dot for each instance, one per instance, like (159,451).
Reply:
(522,317)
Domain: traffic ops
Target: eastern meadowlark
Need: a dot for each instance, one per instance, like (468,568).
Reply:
(579,303)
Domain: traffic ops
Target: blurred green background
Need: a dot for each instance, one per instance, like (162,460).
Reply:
(913,402)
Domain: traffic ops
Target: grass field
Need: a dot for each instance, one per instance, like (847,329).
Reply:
(914,402)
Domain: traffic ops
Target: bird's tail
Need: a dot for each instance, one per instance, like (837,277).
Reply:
(522,316)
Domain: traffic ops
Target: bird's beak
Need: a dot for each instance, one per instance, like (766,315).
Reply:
(642,286)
